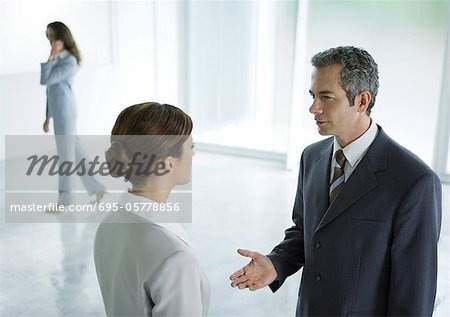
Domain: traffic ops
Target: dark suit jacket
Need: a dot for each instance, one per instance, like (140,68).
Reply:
(373,251)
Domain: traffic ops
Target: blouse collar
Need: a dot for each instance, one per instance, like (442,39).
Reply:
(175,228)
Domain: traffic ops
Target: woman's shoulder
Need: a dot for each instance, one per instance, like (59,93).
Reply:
(160,236)
(184,258)
(68,58)
(181,265)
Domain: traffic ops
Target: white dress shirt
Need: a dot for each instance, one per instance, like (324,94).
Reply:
(354,152)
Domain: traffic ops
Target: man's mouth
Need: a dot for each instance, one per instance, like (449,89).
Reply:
(320,122)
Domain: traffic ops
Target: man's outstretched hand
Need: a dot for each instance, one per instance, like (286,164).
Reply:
(258,273)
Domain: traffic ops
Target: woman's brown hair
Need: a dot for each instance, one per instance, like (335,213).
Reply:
(169,127)
(58,31)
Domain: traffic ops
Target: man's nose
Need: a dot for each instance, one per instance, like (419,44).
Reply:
(315,107)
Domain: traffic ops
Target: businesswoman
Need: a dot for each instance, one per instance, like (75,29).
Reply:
(146,267)
(58,74)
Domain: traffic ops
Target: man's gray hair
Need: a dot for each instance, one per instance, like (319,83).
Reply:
(359,71)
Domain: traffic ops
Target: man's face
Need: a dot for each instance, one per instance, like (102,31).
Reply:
(330,107)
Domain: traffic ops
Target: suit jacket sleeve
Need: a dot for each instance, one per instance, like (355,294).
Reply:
(54,72)
(46,110)
(176,289)
(288,257)
(414,250)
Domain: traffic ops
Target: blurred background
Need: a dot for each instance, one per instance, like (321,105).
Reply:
(241,70)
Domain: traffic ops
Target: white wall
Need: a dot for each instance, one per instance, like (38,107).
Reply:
(209,56)
(23,45)
(406,39)
(240,69)
(129,50)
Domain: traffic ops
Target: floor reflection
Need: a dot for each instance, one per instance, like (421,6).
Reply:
(47,269)
(69,281)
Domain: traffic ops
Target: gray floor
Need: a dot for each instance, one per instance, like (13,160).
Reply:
(47,269)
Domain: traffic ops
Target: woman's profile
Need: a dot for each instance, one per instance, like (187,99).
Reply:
(145,267)
(58,74)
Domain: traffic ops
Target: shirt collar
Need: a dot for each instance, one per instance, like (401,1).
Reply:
(175,228)
(62,54)
(355,150)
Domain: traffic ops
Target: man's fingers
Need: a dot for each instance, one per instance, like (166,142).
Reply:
(257,285)
(247,253)
(247,276)
(239,280)
(245,284)
(237,274)
(250,285)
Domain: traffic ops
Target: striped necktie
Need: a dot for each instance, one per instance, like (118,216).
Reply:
(337,182)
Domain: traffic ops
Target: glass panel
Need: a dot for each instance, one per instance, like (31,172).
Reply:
(240,69)
(407,40)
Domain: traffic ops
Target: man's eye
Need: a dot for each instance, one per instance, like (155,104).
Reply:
(326,97)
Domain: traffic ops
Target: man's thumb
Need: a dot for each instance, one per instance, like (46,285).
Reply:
(246,253)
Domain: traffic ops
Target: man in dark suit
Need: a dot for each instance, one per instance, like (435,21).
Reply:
(367,213)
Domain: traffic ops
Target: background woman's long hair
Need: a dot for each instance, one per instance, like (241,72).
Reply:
(59,31)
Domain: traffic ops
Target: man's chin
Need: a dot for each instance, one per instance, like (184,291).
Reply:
(323,132)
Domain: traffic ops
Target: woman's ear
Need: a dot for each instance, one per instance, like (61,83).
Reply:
(163,166)
(168,163)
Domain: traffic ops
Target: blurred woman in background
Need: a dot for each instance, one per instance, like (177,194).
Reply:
(58,74)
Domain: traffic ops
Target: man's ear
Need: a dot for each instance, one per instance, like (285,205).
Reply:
(362,101)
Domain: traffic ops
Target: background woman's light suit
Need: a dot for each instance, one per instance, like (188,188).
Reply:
(58,76)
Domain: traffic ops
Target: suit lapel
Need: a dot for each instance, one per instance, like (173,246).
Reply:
(362,180)
(320,177)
